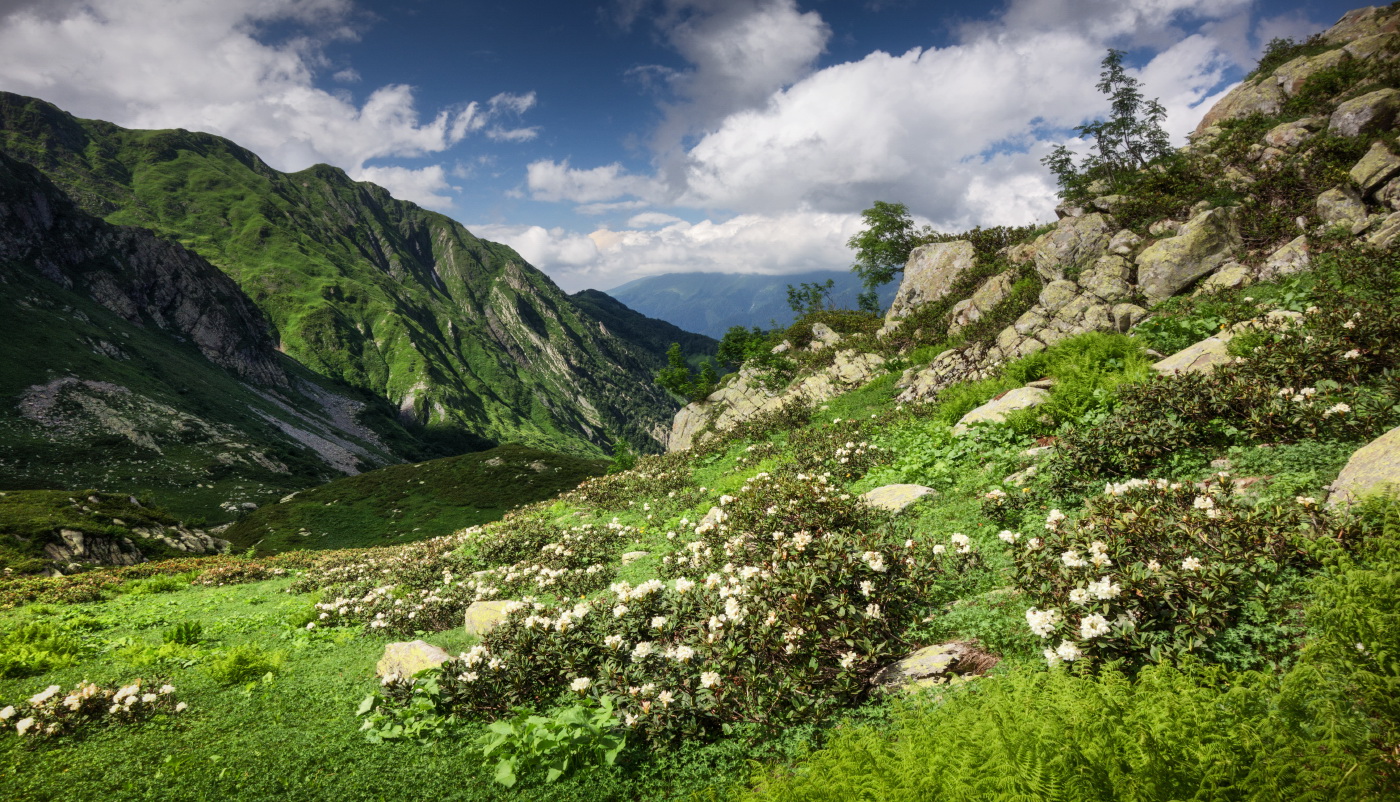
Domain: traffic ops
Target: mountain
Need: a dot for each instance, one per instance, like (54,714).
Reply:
(133,363)
(711,303)
(471,344)
(656,334)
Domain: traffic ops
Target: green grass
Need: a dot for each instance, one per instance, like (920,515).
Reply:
(411,502)
(30,519)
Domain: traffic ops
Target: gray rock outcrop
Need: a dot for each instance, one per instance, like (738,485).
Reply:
(1374,468)
(929,275)
(1206,242)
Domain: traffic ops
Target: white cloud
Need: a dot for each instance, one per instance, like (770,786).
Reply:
(210,67)
(557,181)
(426,186)
(774,244)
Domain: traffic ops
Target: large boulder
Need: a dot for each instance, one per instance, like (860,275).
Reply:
(406,658)
(1073,244)
(1363,115)
(929,665)
(996,410)
(1291,76)
(1341,206)
(1292,134)
(1199,358)
(1374,468)
(929,275)
(894,498)
(1290,258)
(1205,243)
(1109,279)
(992,292)
(483,616)
(1260,96)
(1376,168)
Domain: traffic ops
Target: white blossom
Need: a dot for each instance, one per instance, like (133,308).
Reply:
(709,679)
(580,685)
(1190,564)
(1092,626)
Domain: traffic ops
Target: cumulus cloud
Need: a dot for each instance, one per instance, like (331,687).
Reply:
(214,67)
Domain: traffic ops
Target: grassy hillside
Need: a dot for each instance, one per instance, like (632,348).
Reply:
(403,503)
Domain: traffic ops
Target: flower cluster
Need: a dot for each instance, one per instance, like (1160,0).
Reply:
(51,712)
(1152,568)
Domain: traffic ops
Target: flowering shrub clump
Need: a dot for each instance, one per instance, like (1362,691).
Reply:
(237,573)
(1153,568)
(51,712)
(779,611)
(653,476)
(842,449)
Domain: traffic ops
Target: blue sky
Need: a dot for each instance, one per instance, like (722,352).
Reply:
(621,138)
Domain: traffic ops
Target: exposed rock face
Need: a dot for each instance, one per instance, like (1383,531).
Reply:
(1372,112)
(1072,245)
(948,368)
(85,547)
(1291,76)
(1260,96)
(1292,134)
(1374,468)
(932,663)
(992,292)
(1291,258)
(406,658)
(1375,169)
(895,498)
(929,275)
(1206,242)
(745,398)
(1341,206)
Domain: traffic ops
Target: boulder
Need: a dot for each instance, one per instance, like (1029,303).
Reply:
(1261,96)
(1387,233)
(1057,295)
(406,658)
(929,275)
(1110,278)
(1363,115)
(1124,243)
(1341,206)
(895,498)
(948,368)
(1125,316)
(1375,468)
(1288,259)
(1389,194)
(1381,45)
(1199,358)
(1291,76)
(1165,228)
(823,336)
(1073,244)
(995,411)
(1290,135)
(481,617)
(1376,168)
(929,665)
(992,292)
(1228,277)
(1359,23)
(1205,243)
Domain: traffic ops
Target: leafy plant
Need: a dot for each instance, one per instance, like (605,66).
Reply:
(410,710)
(246,662)
(883,246)
(185,633)
(582,734)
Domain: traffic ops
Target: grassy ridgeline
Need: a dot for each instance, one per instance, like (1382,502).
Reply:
(401,503)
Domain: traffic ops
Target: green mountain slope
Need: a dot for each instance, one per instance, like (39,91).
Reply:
(711,303)
(136,366)
(465,337)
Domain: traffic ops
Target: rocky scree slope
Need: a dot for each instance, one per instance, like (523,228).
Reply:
(1300,156)
(470,342)
(134,363)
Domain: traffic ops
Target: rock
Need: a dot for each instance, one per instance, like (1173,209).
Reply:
(1199,358)
(1341,206)
(1041,384)
(1125,316)
(1375,468)
(1359,23)
(1387,233)
(1107,203)
(1057,294)
(1292,75)
(782,347)
(1109,279)
(92,548)
(1065,210)
(931,663)
(1073,244)
(894,498)
(1291,135)
(1228,277)
(948,368)
(1376,168)
(823,336)
(1380,44)
(1389,194)
(992,292)
(995,411)
(482,616)
(929,275)
(1124,243)
(1167,228)
(406,658)
(1289,259)
(1167,266)
(1260,96)
(1019,254)
(1363,115)
(629,557)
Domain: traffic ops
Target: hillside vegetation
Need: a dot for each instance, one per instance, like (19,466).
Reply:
(1155,579)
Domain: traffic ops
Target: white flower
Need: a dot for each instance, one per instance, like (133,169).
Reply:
(665,698)
(8,713)
(1068,651)
(1336,409)
(683,585)
(1043,622)
(1008,536)
(148,698)
(1190,564)
(658,621)
(1035,544)
(613,641)
(642,650)
(940,549)
(580,685)
(1352,354)
(1052,521)
(1071,559)
(848,659)
(44,695)
(1153,565)
(167,689)
(875,560)
(1203,503)
(24,725)
(709,679)
(1092,626)
(1079,596)
(1104,589)
(872,610)
(682,654)
(619,611)
(961,543)
(1306,501)
(866,588)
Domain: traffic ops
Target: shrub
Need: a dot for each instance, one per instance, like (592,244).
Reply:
(51,713)
(34,648)
(244,663)
(582,734)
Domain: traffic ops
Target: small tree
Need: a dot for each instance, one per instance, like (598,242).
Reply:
(884,246)
(806,298)
(1129,140)
(677,377)
(737,344)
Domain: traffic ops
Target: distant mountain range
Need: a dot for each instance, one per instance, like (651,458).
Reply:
(710,303)
(179,317)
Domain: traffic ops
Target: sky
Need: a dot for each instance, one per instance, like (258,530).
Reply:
(607,140)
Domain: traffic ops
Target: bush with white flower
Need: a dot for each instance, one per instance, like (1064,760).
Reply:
(1154,568)
(53,712)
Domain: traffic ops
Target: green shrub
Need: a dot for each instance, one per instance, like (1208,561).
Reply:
(582,734)
(185,633)
(35,648)
(244,663)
